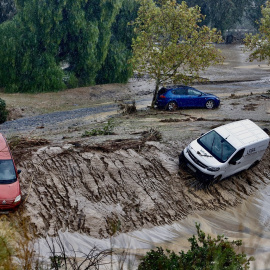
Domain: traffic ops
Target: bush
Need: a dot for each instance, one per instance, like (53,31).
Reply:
(3,111)
(106,130)
(205,253)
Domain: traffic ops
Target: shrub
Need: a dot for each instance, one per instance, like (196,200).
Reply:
(205,253)
(3,111)
(106,130)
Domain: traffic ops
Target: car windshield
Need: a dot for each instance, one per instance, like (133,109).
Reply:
(217,146)
(7,172)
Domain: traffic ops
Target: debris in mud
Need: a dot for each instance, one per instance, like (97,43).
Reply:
(21,146)
(124,144)
(191,118)
(170,120)
(127,107)
(250,107)
(266,96)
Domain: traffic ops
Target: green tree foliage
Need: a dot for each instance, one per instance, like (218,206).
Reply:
(259,44)
(3,111)
(170,45)
(253,12)
(7,10)
(205,253)
(117,67)
(221,14)
(45,34)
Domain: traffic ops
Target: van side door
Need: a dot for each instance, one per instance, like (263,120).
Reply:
(235,164)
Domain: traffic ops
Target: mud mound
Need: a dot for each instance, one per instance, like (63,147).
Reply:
(21,146)
(80,188)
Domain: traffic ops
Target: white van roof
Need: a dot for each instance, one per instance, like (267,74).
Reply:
(242,133)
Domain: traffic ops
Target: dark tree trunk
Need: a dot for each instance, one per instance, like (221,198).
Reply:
(155,95)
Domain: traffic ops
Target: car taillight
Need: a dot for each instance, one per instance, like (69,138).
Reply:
(162,96)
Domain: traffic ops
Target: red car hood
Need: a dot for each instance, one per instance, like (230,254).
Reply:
(9,191)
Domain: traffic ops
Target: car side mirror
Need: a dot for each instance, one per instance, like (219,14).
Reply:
(232,162)
(19,171)
(202,134)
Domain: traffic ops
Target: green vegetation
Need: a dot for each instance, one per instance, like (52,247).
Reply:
(117,67)
(170,45)
(205,253)
(259,44)
(105,130)
(225,14)
(3,111)
(222,14)
(7,10)
(80,35)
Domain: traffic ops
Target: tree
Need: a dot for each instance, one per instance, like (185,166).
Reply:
(117,67)
(253,12)
(44,35)
(205,253)
(7,10)
(259,44)
(221,14)
(170,45)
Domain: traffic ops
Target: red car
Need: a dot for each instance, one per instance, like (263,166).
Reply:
(10,192)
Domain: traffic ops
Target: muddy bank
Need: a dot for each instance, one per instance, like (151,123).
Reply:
(82,188)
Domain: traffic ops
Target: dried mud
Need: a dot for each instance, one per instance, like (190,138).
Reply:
(131,184)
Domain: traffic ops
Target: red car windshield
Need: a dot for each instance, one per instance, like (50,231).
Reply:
(7,172)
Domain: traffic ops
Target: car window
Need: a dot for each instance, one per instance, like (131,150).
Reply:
(7,171)
(162,91)
(180,91)
(193,92)
(217,146)
(238,155)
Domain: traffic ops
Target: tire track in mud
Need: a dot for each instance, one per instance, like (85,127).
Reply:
(86,190)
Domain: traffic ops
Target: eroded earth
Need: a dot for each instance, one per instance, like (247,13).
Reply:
(94,187)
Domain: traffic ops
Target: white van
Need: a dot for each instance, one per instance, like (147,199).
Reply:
(225,150)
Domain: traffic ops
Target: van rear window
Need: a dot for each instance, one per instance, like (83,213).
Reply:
(7,172)
(217,146)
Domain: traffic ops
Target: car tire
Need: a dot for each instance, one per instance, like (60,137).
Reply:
(172,106)
(210,104)
(182,160)
(254,164)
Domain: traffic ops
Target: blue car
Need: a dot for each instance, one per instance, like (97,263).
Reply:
(172,98)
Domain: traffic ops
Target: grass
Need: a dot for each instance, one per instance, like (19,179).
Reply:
(59,101)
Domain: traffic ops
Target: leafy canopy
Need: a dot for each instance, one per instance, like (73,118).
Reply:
(170,46)
(222,14)
(82,35)
(205,253)
(259,44)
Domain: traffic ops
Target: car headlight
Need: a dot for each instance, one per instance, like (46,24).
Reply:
(18,198)
(213,169)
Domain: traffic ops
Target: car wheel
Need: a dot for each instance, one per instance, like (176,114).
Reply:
(181,160)
(172,106)
(210,104)
(254,164)
(216,180)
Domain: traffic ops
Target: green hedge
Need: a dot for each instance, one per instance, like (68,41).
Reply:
(3,111)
